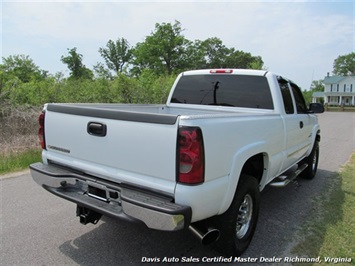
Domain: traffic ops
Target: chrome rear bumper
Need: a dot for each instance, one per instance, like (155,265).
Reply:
(112,199)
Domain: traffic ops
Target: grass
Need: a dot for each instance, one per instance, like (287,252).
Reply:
(330,232)
(18,137)
(18,161)
(340,109)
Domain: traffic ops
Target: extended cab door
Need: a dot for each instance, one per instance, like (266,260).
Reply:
(297,122)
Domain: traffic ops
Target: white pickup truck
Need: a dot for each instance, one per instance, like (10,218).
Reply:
(197,162)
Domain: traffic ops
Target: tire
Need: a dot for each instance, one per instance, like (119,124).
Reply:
(312,161)
(237,225)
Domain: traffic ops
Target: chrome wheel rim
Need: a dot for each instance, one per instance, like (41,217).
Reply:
(245,213)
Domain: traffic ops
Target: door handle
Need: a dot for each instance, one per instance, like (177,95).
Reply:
(301,124)
(97,129)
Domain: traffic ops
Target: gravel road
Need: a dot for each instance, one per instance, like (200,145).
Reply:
(38,228)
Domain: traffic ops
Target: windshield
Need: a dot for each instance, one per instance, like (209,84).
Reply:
(224,90)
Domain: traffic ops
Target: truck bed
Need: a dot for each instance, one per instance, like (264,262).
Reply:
(139,146)
(149,112)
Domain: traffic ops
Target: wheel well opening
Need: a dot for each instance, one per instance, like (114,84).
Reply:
(254,166)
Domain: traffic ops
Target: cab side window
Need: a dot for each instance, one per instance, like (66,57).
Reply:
(286,95)
(300,102)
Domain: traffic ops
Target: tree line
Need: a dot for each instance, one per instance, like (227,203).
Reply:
(165,51)
(162,54)
(134,74)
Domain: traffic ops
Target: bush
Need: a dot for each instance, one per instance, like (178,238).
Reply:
(147,88)
(19,128)
(21,102)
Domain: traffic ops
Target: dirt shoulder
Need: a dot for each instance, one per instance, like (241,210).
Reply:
(15,174)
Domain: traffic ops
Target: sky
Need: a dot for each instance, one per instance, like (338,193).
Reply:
(297,39)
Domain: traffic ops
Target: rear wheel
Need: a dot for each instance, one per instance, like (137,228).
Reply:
(237,225)
(312,161)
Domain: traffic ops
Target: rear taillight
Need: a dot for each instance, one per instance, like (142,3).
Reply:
(41,130)
(190,156)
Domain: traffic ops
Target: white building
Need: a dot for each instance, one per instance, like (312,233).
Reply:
(339,90)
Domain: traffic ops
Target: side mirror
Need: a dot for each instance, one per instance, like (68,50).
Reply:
(316,108)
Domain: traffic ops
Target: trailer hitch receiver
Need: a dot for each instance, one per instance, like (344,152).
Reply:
(87,216)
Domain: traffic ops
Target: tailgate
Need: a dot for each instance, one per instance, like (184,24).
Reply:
(121,146)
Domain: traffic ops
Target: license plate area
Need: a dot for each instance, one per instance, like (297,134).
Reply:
(101,192)
(97,193)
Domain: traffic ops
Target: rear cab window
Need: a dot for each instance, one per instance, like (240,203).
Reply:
(286,87)
(300,102)
(246,91)
(286,95)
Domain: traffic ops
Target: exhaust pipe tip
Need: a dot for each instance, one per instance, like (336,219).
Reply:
(210,237)
(206,236)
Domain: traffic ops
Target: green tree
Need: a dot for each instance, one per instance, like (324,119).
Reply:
(317,85)
(116,54)
(21,67)
(257,63)
(344,65)
(212,53)
(240,59)
(102,72)
(215,52)
(166,50)
(162,50)
(76,66)
(195,55)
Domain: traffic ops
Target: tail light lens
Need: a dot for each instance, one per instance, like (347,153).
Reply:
(221,71)
(41,130)
(190,157)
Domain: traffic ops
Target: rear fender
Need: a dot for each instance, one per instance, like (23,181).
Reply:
(238,161)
